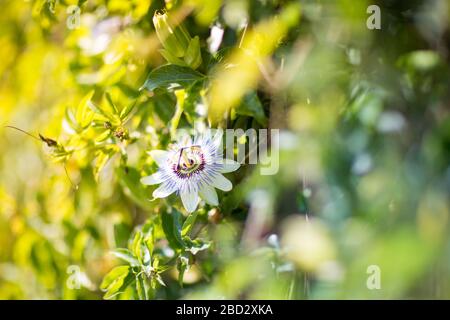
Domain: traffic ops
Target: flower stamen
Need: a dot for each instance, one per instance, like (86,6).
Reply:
(190,161)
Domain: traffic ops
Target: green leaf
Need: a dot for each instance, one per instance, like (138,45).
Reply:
(172,229)
(101,159)
(136,246)
(103,136)
(193,56)
(189,223)
(40,5)
(170,74)
(130,181)
(111,103)
(142,287)
(116,281)
(113,275)
(103,113)
(171,58)
(148,231)
(251,106)
(71,120)
(197,245)
(128,90)
(125,112)
(140,250)
(164,105)
(127,256)
(84,115)
(159,279)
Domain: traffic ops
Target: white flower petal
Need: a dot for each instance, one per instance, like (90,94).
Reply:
(152,179)
(164,190)
(160,156)
(229,166)
(222,183)
(209,194)
(190,200)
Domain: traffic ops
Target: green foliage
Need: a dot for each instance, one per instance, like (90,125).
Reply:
(364,149)
(170,75)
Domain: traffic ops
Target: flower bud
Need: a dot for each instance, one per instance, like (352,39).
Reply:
(192,56)
(179,47)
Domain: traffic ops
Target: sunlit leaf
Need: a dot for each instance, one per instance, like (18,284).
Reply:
(172,228)
(168,75)
(189,223)
(116,281)
(126,255)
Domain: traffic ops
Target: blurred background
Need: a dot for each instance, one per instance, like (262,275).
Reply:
(359,208)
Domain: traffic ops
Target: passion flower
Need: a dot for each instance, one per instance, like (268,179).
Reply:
(193,168)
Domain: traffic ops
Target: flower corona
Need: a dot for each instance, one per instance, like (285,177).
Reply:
(193,168)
